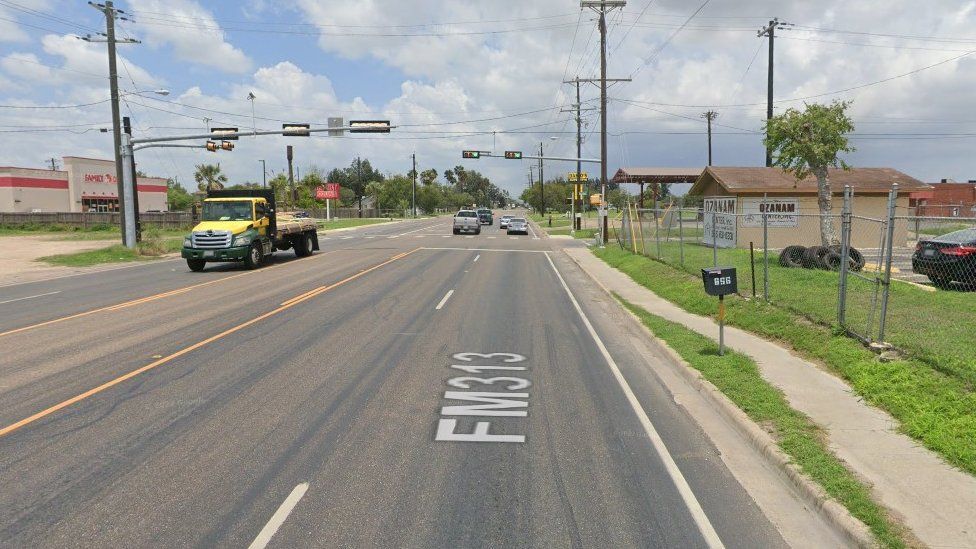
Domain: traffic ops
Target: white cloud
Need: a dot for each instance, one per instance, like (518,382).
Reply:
(191,31)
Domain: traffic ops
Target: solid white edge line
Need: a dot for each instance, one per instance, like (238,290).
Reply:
(29,297)
(476,258)
(534,236)
(443,301)
(684,490)
(278,518)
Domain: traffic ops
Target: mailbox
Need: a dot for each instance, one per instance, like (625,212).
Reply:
(720,281)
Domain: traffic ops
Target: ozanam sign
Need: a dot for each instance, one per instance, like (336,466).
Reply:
(718,222)
(780,212)
(329,191)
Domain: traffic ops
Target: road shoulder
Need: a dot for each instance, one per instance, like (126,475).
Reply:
(935,500)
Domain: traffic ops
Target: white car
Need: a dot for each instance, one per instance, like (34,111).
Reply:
(503,222)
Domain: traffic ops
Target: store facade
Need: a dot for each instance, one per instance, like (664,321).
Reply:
(84,185)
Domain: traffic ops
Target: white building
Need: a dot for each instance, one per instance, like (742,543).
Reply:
(85,184)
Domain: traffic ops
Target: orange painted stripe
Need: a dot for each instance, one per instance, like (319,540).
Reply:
(308,295)
(147,299)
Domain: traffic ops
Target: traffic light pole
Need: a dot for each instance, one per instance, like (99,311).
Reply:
(413,194)
(542,184)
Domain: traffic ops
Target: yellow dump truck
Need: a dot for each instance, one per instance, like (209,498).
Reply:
(243,225)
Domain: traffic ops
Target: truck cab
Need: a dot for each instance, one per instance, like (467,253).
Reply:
(243,226)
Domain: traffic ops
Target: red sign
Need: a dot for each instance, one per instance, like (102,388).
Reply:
(331,191)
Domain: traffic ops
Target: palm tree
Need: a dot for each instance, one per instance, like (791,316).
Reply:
(209,177)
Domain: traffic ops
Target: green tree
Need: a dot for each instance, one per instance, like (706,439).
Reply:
(428,177)
(209,177)
(809,142)
(177,196)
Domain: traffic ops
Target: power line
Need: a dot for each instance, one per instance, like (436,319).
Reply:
(79,105)
(171,16)
(660,48)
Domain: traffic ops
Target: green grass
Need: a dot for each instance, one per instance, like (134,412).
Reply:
(114,254)
(949,316)
(935,408)
(67,232)
(350,222)
(939,231)
(738,377)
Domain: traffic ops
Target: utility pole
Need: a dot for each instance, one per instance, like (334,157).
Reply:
(359,180)
(770,31)
(602,7)
(577,108)
(126,209)
(291,177)
(542,183)
(413,197)
(54,164)
(127,128)
(264,174)
(709,116)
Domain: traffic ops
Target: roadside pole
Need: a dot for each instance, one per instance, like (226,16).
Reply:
(128,184)
(765,222)
(845,253)
(886,282)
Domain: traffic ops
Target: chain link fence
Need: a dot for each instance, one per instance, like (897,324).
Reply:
(898,267)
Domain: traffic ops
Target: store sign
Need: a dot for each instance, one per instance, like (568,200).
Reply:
(332,191)
(719,222)
(100,178)
(780,212)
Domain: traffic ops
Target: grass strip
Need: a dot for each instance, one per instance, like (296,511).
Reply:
(936,409)
(114,254)
(738,377)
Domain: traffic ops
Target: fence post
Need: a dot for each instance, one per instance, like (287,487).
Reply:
(845,254)
(681,233)
(886,282)
(657,228)
(765,223)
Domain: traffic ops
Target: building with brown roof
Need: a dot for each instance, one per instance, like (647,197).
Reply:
(744,193)
(946,199)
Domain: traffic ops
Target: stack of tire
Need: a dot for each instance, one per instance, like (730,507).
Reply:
(820,257)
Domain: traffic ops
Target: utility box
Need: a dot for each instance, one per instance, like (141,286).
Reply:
(720,281)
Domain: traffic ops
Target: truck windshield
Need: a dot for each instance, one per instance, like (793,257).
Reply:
(227,211)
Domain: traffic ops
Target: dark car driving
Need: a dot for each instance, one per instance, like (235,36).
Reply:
(485,216)
(947,258)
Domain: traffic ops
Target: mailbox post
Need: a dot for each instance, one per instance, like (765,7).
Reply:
(720,281)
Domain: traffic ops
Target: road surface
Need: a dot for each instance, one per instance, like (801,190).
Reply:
(401,387)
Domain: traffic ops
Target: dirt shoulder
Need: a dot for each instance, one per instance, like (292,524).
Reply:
(18,257)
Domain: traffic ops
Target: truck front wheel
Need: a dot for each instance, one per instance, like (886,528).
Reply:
(195,265)
(253,258)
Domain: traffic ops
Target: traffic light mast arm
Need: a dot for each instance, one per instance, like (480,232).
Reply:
(236,134)
(561,158)
(168,145)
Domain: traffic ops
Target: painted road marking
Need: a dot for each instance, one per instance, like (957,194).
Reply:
(483,249)
(443,301)
(482,403)
(476,258)
(29,297)
(534,237)
(691,502)
(278,518)
(492,237)
(92,272)
(291,303)
(147,299)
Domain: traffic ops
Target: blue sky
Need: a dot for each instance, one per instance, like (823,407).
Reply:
(450,74)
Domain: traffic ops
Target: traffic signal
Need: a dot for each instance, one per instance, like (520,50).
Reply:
(212,146)
(369,126)
(227,145)
(222,133)
(470,154)
(513,155)
(296,130)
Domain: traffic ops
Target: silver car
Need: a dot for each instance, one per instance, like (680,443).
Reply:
(503,222)
(518,225)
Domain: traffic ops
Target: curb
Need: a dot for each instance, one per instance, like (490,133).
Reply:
(829,509)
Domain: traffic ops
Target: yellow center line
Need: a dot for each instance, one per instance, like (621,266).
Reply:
(141,300)
(304,297)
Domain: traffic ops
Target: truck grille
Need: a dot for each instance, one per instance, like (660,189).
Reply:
(211,239)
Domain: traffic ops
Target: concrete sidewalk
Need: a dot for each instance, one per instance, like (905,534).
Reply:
(936,501)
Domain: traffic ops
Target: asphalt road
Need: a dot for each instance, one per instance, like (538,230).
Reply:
(402,387)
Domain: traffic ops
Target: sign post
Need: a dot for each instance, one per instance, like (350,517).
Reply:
(720,281)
